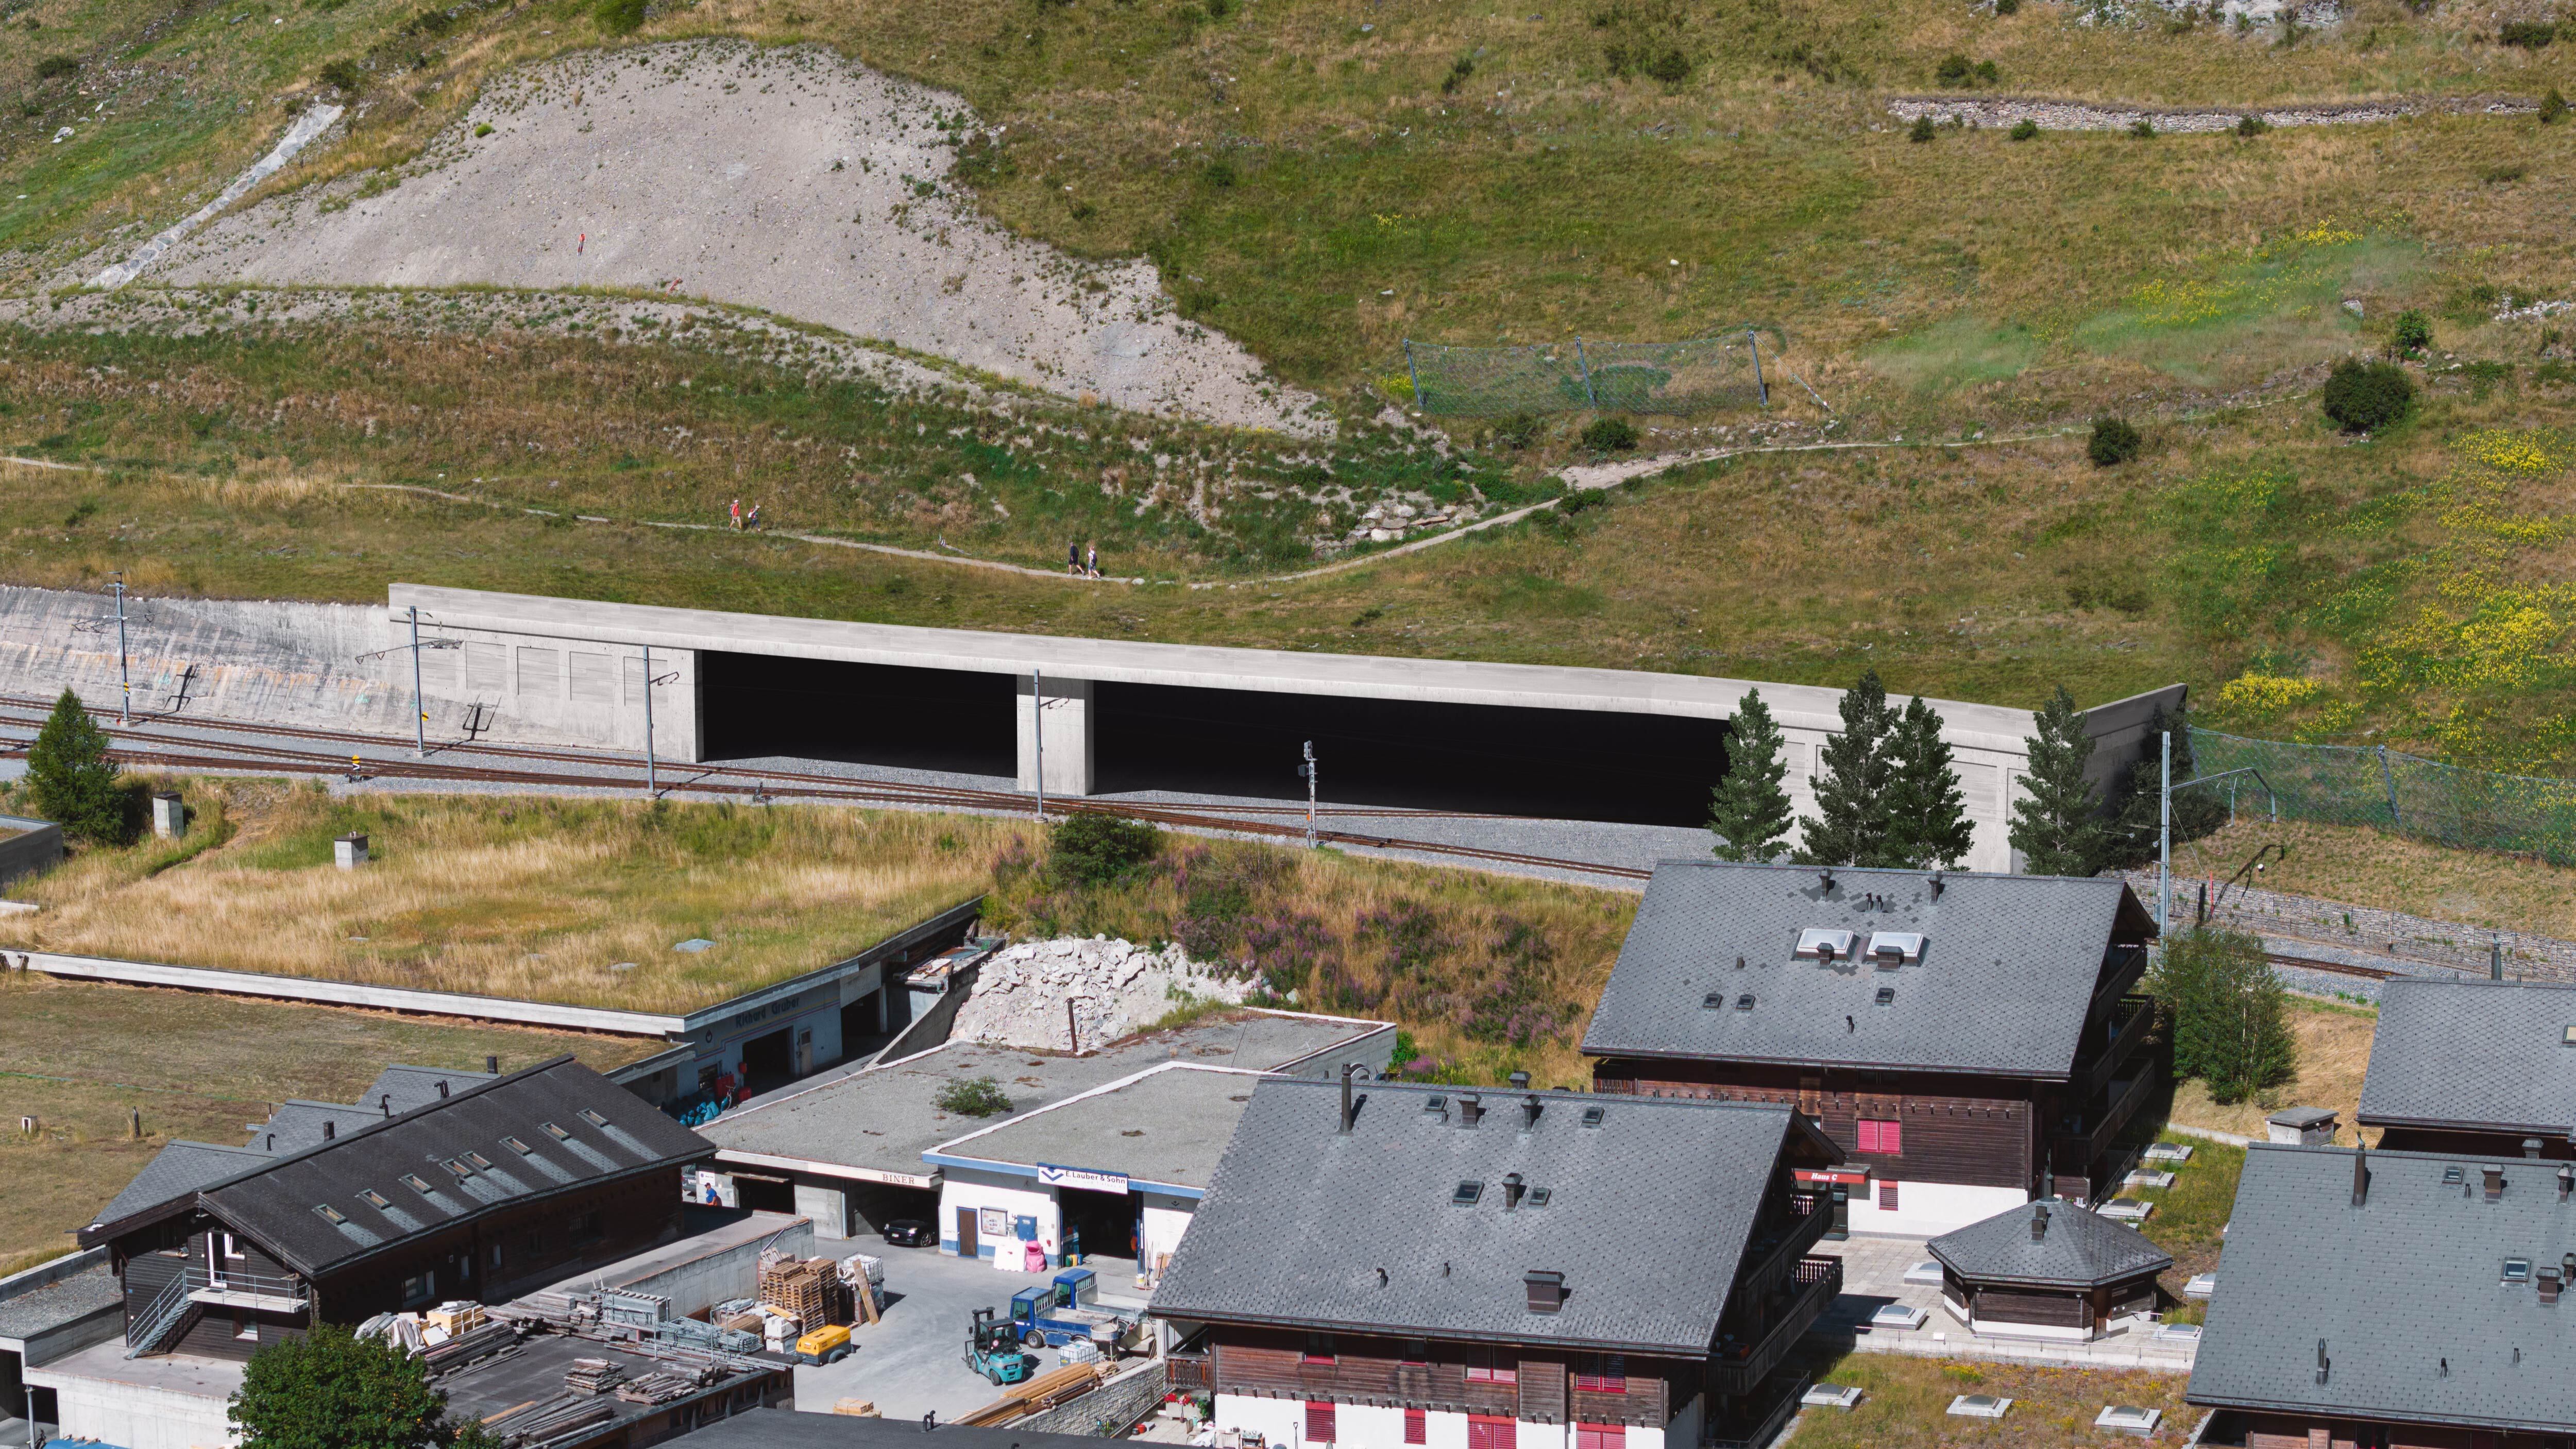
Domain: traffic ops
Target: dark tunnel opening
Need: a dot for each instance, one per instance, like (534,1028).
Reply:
(1554,763)
(868,714)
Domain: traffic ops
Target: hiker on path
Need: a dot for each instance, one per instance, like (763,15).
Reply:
(753,521)
(1094,570)
(1073,559)
(737,515)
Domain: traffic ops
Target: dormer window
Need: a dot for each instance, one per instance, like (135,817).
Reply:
(593,1118)
(1466,1193)
(416,1183)
(517,1146)
(481,1162)
(330,1214)
(555,1132)
(375,1199)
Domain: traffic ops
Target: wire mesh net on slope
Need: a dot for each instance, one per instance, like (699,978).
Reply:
(1628,377)
(2412,796)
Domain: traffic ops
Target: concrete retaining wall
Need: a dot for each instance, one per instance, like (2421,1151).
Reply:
(1109,1410)
(38,848)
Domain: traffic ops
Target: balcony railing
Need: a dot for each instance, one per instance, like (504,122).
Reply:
(2123,1045)
(195,1288)
(2074,1151)
(1779,1247)
(1185,1373)
(1738,1367)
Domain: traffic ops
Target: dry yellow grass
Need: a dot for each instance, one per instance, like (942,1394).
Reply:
(514,896)
(2373,868)
(2334,1053)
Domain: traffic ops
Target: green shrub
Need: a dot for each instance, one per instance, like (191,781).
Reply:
(482,128)
(55,67)
(430,22)
(1610,435)
(2251,126)
(1583,500)
(2529,34)
(1459,69)
(2114,441)
(1517,431)
(1220,172)
(1090,849)
(1954,72)
(1987,74)
(2007,7)
(2225,1014)
(2552,107)
(1672,67)
(619,17)
(1219,9)
(973,1097)
(1922,131)
(2364,397)
(2143,129)
(2410,334)
(343,76)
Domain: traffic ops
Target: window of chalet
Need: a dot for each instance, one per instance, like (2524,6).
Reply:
(1416,1429)
(1484,1366)
(245,1326)
(588,1228)
(1319,1423)
(1489,1431)
(1603,1374)
(419,1288)
(1882,1135)
(1600,1436)
(1887,1196)
(1417,1354)
(1319,1349)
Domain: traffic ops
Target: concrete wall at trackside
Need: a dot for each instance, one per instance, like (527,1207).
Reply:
(38,846)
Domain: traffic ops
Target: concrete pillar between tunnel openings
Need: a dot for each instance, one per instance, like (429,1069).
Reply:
(1066,710)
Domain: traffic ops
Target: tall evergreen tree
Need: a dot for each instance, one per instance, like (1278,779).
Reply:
(2056,825)
(74,785)
(1748,812)
(1927,814)
(2225,1013)
(1850,824)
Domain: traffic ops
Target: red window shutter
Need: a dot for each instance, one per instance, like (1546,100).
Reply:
(1868,1135)
(1488,1431)
(1415,1430)
(1891,1136)
(1319,1423)
(1600,1436)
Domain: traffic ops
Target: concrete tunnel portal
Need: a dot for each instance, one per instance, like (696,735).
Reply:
(1434,755)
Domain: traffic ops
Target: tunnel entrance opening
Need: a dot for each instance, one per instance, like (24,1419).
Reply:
(1554,763)
(865,714)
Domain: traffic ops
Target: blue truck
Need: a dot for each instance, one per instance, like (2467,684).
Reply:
(1062,1311)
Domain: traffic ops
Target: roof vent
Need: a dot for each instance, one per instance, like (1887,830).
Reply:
(386,1101)
(2531,1148)
(1471,1109)
(1823,943)
(1829,877)
(2360,1179)
(2495,1182)
(1937,884)
(1546,1291)
(1530,1107)
(491,1066)
(2324,1364)
(1519,1080)
(1511,1191)
(2039,1222)
(331,1129)
(1891,949)
(442,1089)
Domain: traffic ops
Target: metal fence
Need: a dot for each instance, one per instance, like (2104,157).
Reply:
(2407,794)
(1581,376)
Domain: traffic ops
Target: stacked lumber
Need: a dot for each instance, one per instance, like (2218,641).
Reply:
(658,1387)
(593,1376)
(1043,1392)
(807,1289)
(555,1418)
(857,1408)
(472,1346)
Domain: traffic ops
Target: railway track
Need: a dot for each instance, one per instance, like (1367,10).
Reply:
(167,744)
(2339,968)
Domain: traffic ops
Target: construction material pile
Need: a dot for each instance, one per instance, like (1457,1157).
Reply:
(1076,995)
(1043,1392)
(808,1290)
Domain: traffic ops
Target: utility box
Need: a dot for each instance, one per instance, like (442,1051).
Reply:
(2301,1126)
(349,852)
(169,815)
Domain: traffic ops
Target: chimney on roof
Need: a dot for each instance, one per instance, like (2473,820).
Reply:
(1471,1109)
(491,1066)
(2361,1178)
(1546,1291)
(330,1129)
(2495,1182)
(2039,1222)
(2323,1363)
(2550,1284)
(1519,1080)
(1937,883)
(2531,1148)
(1350,1110)
(2566,1180)
(1829,877)
(1512,1191)
(442,1088)
(1530,1109)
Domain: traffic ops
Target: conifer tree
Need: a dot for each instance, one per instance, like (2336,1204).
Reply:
(73,782)
(1850,824)
(2056,825)
(1748,812)
(1927,814)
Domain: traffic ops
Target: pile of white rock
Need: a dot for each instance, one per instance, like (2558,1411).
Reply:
(1114,988)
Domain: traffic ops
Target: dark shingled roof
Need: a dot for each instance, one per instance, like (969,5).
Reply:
(2080,1249)
(176,1171)
(2007,974)
(1648,1215)
(2395,1287)
(273,1199)
(2473,1053)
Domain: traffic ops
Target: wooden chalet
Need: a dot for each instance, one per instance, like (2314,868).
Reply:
(482,1187)
(1404,1264)
(1969,1041)
(2479,1068)
(2049,1271)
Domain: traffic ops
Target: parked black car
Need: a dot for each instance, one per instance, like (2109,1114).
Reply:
(911,1233)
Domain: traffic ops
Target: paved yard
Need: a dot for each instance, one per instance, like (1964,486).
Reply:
(913,1361)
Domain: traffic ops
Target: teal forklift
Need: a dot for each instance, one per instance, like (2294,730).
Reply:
(993,1349)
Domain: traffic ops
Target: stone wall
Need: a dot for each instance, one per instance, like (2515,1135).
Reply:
(1108,1410)
(2414,945)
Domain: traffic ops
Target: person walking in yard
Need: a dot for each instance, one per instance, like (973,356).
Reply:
(737,515)
(1094,570)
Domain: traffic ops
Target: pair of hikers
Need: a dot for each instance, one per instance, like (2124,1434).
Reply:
(1073,562)
(742,521)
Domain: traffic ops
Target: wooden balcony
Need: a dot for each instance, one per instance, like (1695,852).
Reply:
(2127,1035)
(1189,1373)
(1738,1367)
(1778,1247)
(2073,1152)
